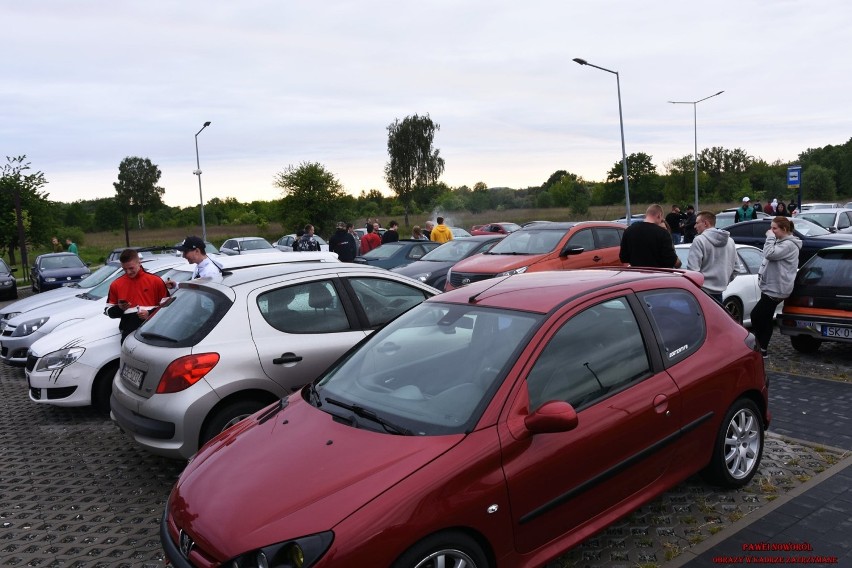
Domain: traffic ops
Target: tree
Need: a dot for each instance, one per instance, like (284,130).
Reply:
(413,162)
(644,181)
(312,195)
(136,189)
(818,183)
(21,193)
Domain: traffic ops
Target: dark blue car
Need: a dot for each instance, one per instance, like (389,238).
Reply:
(8,284)
(399,253)
(432,269)
(57,269)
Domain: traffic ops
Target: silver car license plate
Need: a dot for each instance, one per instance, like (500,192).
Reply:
(831,331)
(132,376)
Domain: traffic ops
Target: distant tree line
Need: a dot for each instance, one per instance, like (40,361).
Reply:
(312,194)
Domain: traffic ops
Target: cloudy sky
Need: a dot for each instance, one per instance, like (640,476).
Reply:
(87,83)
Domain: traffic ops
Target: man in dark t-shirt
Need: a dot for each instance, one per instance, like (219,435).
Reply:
(649,244)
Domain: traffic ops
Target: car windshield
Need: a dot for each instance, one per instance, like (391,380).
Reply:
(255,244)
(451,251)
(3,266)
(385,251)
(97,276)
(824,220)
(510,227)
(828,268)
(442,389)
(808,228)
(60,262)
(529,241)
(185,318)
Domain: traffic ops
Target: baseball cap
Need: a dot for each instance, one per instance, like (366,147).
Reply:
(746,199)
(190,243)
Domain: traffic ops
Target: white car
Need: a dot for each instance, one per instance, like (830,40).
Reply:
(25,329)
(285,243)
(75,365)
(742,294)
(110,270)
(218,352)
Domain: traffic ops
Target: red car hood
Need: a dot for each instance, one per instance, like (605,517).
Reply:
(496,263)
(296,474)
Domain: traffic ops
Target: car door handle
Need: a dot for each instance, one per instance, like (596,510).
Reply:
(597,258)
(286,358)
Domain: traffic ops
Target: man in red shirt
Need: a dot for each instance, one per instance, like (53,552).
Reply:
(371,240)
(134,294)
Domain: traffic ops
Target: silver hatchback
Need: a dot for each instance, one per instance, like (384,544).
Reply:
(218,352)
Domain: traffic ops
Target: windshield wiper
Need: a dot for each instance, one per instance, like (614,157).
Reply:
(149,335)
(313,395)
(370,415)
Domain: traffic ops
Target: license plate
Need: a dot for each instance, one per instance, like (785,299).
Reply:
(132,376)
(831,331)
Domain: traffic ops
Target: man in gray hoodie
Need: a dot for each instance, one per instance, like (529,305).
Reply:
(713,254)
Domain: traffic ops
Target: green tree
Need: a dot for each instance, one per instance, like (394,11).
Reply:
(312,195)
(136,189)
(413,161)
(644,182)
(22,191)
(818,183)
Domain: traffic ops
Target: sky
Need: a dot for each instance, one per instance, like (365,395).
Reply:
(87,83)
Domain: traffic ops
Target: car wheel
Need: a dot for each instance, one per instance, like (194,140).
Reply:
(102,387)
(734,307)
(228,415)
(446,549)
(738,446)
(805,343)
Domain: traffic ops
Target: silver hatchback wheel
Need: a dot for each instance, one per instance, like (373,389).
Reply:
(447,559)
(743,442)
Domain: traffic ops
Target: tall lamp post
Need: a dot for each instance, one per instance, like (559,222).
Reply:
(695,119)
(198,173)
(621,122)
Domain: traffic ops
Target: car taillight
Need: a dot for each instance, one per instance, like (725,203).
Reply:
(184,372)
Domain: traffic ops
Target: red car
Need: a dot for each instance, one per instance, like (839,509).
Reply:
(497,425)
(494,228)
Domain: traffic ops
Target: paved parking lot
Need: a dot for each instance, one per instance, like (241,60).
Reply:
(74,491)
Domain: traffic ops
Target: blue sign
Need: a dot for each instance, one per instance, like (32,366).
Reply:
(794,175)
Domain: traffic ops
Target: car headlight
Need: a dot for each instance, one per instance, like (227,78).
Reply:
(59,359)
(520,270)
(297,553)
(50,279)
(29,326)
(423,276)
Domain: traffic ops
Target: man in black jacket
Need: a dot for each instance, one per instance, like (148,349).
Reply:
(343,243)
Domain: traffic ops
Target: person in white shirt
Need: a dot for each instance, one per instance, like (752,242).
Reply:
(193,250)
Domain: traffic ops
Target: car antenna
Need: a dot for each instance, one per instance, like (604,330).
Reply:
(472,299)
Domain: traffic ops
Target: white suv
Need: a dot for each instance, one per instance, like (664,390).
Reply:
(75,365)
(218,352)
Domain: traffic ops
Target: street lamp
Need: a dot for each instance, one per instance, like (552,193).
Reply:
(695,118)
(198,173)
(621,122)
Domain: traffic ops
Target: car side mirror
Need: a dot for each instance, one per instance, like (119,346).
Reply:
(571,250)
(551,417)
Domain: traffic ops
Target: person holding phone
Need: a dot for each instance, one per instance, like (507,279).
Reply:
(134,295)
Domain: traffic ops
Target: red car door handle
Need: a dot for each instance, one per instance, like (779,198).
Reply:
(597,258)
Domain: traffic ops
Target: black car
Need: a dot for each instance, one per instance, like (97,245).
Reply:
(399,253)
(56,269)
(820,307)
(8,283)
(813,236)
(432,269)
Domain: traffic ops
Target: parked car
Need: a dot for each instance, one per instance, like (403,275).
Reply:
(835,220)
(459,233)
(727,218)
(433,267)
(245,245)
(25,329)
(75,365)
(146,252)
(545,246)
(209,248)
(285,243)
(363,231)
(499,425)
(8,282)
(809,206)
(55,269)
(398,253)
(743,292)
(491,228)
(813,236)
(820,307)
(219,352)
(111,270)
(635,218)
